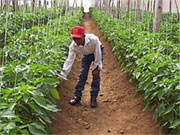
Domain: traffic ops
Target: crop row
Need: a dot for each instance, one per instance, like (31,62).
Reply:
(169,28)
(152,61)
(32,62)
(11,23)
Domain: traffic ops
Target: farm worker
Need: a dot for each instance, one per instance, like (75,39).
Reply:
(92,51)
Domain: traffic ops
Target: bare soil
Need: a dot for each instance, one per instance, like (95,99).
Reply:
(119,110)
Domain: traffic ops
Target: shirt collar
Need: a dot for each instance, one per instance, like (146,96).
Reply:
(86,41)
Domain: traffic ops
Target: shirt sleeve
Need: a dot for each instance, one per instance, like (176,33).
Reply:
(69,62)
(97,55)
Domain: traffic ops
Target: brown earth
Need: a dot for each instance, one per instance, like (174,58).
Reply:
(119,111)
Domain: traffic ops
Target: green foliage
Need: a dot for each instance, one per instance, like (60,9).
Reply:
(169,28)
(32,62)
(19,21)
(152,61)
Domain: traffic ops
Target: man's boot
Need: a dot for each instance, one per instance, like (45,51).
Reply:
(75,100)
(93,102)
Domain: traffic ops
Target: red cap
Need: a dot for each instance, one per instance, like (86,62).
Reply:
(77,32)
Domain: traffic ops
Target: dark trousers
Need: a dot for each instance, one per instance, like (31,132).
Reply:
(95,84)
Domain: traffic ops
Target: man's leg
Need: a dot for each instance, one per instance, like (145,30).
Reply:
(95,86)
(85,65)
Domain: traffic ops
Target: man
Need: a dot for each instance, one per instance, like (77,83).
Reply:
(92,51)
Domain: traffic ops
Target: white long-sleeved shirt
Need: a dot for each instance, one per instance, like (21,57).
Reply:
(92,46)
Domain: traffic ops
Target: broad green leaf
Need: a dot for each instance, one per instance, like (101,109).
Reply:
(24,132)
(11,106)
(10,125)
(160,94)
(35,107)
(45,117)
(3,105)
(26,97)
(8,114)
(7,91)
(154,94)
(42,103)
(178,65)
(36,131)
(178,87)
(155,78)
(2,126)
(50,81)
(175,124)
(178,103)
(169,108)
(54,93)
(159,110)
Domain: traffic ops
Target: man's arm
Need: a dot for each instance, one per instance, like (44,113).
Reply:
(97,55)
(69,62)
(97,65)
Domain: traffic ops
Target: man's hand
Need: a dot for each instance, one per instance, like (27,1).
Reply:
(95,73)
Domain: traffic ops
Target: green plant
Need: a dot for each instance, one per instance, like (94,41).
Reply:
(32,62)
(152,61)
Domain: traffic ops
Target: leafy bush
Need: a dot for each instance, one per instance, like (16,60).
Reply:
(152,61)
(19,21)
(32,62)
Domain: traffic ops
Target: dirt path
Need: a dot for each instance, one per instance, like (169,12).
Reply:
(118,111)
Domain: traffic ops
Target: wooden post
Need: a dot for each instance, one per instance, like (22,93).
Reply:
(112,9)
(96,4)
(25,5)
(61,4)
(138,10)
(151,5)
(109,6)
(55,3)
(170,6)
(148,5)
(106,6)
(177,8)
(143,5)
(6,6)
(127,10)
(158,14)
(154,6)
(45,3)
(118,9)
(103,5)
(100,3)
(39,4)
(1,3)
(74,4)
(66,6)
(6,24)
(134,4)
(81,4)
(33,5)
(16,6)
